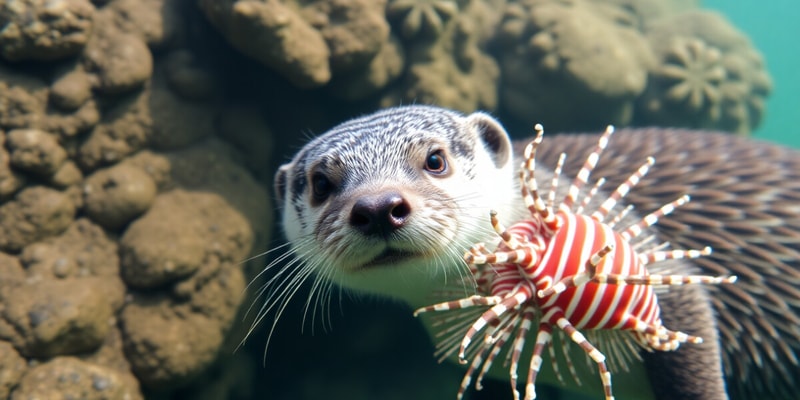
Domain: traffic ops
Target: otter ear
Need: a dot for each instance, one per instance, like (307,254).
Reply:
(281,183)
(493,136)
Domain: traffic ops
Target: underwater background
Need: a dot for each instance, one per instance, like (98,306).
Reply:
(773,29)
(139,139)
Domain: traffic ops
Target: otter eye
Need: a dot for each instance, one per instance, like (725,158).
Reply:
(436,162)
(321,187)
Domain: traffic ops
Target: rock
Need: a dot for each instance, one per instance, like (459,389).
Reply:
(25,105)
(116,195)
(246,129)
(10,180)
(557,57)
(354,30)
(35,213)
(35,151)
(157,22)
(125,129)
(188,77)
(71,378)
(275,35)
(119,61)
(384,69)
(167,348)
(223,174)
(452,71)
(12,367)
(44,29)
(57,317)
(177,123)
(72,89)
(178,235)
(68,175)
(82,250)
(154,164)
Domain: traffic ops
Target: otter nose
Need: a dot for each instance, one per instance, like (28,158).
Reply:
(380,214)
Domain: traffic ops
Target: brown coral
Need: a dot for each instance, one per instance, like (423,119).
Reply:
(692,75)
(451,70)
(709,75)
(560,56)
(421,17)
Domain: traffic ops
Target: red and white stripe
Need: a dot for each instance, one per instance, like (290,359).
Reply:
(569,270)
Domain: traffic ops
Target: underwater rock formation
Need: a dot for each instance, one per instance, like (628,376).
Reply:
(44,30)
(448,64)
(421,17)
(86,202)
(709,75)
(559,56)
(136,145)
(70,377)
(307,42)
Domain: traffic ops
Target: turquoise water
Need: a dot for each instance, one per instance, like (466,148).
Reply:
(773,27)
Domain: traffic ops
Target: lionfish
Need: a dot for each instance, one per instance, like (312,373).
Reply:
(564,268)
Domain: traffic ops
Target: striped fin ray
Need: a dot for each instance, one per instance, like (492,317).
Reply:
(586,170)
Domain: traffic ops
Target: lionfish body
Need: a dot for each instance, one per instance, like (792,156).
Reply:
(562,268)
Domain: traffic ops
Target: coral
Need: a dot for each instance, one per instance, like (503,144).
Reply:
(692,74)
(560,56)
(44,30)
(709,76)
(421,17)
(451,71)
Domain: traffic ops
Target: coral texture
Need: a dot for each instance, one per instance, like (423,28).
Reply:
(709,75)
(421,17)
(559,56)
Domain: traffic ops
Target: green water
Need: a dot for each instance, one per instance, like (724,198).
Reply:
(773,27)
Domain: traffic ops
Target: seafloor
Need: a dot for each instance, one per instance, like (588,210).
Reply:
(139,140)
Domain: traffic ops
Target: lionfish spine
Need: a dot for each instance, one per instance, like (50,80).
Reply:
(563,268)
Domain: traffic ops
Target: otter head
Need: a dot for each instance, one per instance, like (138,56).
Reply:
(388,203)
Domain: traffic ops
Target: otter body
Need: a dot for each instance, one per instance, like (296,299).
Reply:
(387,204)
